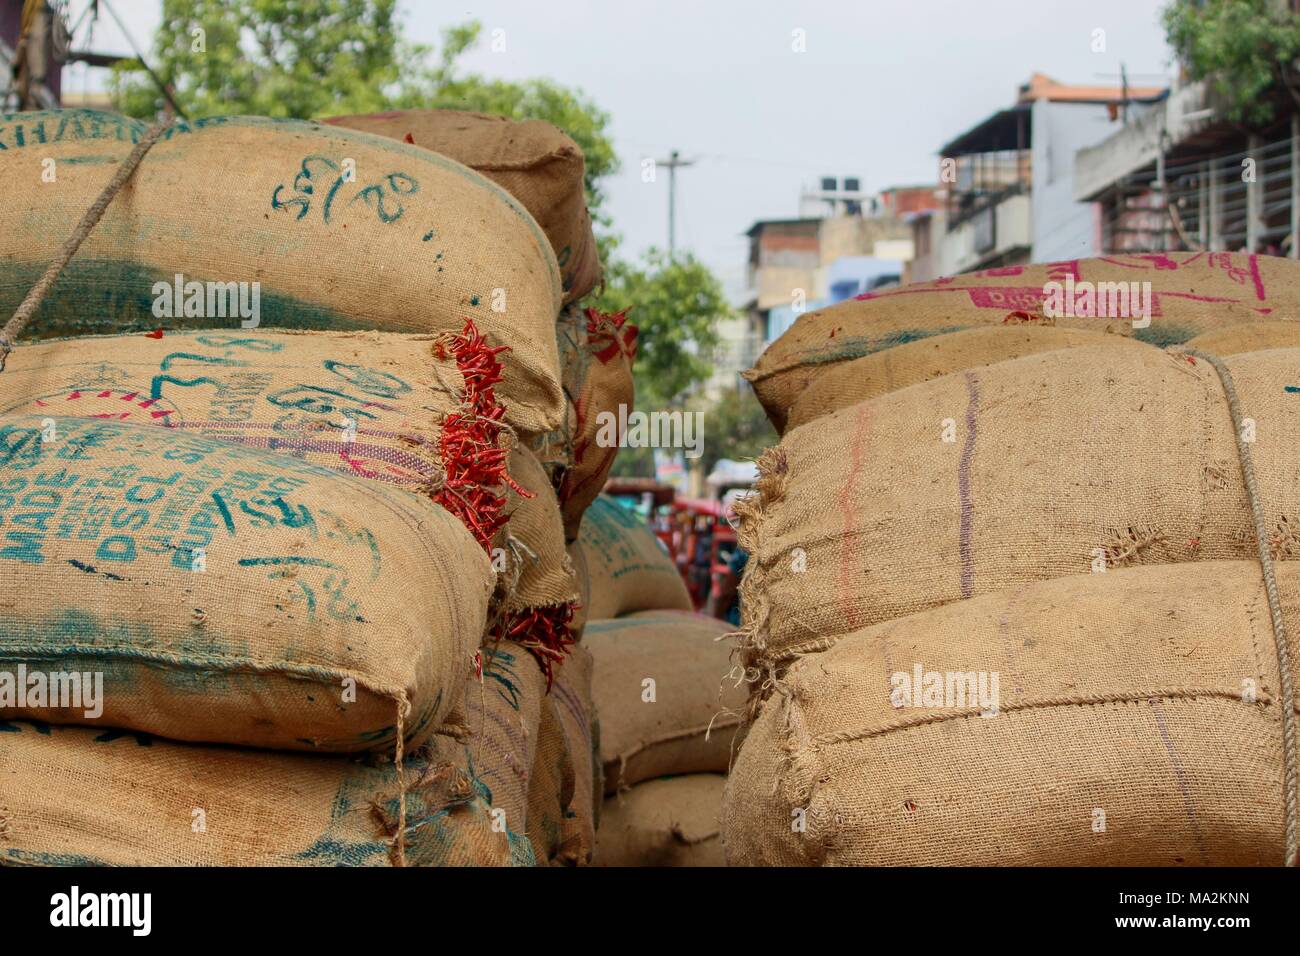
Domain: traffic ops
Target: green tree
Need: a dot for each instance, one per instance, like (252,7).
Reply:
(676,303)
(1246,48)
(296,58)
(306,58)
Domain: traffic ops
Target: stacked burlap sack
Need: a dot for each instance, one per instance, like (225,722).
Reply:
(317,563)
(1014,610)
(662,685)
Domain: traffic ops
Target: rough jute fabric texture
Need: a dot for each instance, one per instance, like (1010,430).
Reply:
(1040,467)
(550,790)
(596,355)
(580,722)
(578,561)
(847,383)
(535,551)
(689,722)
(673,821)
(368,404)
(627,568)
(532,160)
(1135,721)
(534,603)
(503,710)
(398,239)
(230,594)
(77,796)
(1190,293)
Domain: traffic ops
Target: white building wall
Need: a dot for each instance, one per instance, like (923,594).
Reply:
(1063,228)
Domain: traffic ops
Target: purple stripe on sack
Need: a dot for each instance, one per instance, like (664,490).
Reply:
(573,704)
(1177,764)
(963,488)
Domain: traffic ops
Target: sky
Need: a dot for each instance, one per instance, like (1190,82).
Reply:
(877,89)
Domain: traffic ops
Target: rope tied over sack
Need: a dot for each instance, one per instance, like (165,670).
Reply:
(1287,692)
(36,295)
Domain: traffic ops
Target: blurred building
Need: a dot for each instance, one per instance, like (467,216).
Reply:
(845,242)
(1009,181)
(1182,176)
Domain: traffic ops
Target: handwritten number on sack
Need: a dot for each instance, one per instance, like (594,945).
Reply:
(383,197)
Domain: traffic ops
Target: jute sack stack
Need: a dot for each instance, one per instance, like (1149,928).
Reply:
(80,796)
(564,787)
(551,785)
(668,822)
(401,239)
(229,594)
(690,722)
(415,412)
(1040,467)
(579,720)
(596,355)
(1134,718)
(498,744)
(582,575)
(532,160)
(1190,293)
(537,609)
(368,404)
(627,568)
(856,380)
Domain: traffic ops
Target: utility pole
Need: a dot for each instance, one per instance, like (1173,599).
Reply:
(674,160)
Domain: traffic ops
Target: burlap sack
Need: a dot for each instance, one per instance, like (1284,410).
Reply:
(1136,722)
(1248,337)
(668,822)
(579,720)
(1036,468)
(230,594)
(686,721)
(532,160)
(627,568)
(368,404)
(503,711)
(847,383)
(1191,292)
(596,355)
(400,239)
(550,789)
(75,796)
(578,561)
(536,555)
(536,593)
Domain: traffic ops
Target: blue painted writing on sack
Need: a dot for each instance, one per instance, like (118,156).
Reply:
(118,509)
(381,196)
(81,125)
(293,559)
(368,380)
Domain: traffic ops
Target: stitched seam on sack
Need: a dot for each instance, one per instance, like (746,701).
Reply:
(1252,618)
(824,740)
